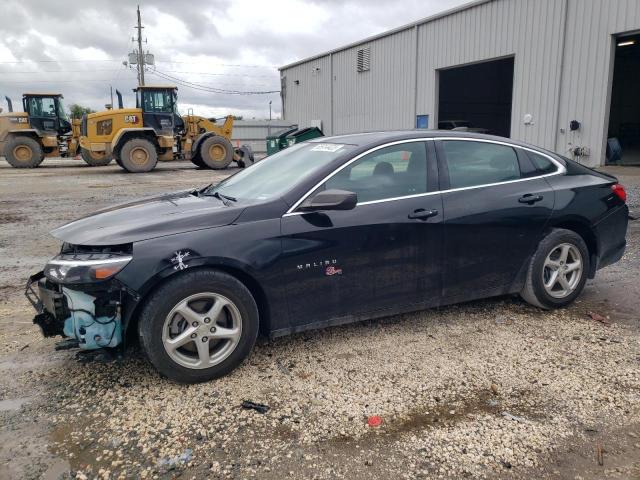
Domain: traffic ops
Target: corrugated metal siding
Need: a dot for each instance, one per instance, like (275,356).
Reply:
(311,98)
(381,98)
(586,82)
(562,70)
(529,30)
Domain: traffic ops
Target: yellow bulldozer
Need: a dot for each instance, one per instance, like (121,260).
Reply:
(154,131)
(42,130)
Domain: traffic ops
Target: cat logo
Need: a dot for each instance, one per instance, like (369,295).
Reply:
(130,119)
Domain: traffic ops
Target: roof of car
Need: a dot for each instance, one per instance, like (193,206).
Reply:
(372,139)
(366,138)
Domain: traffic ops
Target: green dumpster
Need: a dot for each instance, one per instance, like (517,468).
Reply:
(303,135)
(278,140)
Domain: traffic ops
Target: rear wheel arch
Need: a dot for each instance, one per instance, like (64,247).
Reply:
(582,228)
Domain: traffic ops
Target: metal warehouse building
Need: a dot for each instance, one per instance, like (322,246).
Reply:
(561,74)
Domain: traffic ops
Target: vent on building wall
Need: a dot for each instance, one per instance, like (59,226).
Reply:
(363,61)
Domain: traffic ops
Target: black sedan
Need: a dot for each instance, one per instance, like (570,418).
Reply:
(331,231)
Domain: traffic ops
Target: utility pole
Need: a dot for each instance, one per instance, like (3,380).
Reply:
(140,53)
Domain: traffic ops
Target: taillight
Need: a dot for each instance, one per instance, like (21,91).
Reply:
(618,190)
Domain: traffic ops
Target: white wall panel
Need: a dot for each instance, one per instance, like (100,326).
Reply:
(562,71)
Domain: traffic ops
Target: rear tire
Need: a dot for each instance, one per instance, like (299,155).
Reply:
(558,270)
(216,152)
(138,155)
(229,332)
(23,152)
(95,159)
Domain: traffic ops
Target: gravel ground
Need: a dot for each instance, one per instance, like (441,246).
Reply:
(488,389)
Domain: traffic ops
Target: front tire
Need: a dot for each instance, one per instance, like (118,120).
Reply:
(198,326)
(23,152)
(138,155)
(216,152)
(558,270)
(95,159)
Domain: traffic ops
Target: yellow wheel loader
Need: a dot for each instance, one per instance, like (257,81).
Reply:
(42,130)
(154,131)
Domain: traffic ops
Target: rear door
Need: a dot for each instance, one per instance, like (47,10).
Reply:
(384,254)
(494,216)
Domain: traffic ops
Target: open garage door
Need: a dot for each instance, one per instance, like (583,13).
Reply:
(623,142)
(477,97)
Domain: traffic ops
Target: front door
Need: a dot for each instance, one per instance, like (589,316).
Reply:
(158,110)
(493,217)
(382,255)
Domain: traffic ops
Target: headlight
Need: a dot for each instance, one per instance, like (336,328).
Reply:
(85,268)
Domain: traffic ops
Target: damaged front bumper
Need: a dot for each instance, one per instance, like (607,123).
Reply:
(91,315)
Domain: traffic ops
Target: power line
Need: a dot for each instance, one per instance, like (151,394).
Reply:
(106,80)
(59,61)
(120,69)
(65,71)
(197,86)
(199,62)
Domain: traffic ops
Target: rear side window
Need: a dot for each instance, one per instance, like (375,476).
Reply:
(395,171)
(543,164)
(479,163)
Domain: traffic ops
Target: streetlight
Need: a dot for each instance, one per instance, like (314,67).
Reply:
(270,109)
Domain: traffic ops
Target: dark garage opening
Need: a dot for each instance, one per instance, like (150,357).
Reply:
(623,145)
(479,96)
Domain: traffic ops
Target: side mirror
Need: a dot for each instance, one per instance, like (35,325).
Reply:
(331,200)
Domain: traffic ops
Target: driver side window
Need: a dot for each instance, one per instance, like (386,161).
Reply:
(394,171)
(42,107)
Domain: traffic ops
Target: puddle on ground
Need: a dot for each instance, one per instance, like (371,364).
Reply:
(13,404)
(79,456)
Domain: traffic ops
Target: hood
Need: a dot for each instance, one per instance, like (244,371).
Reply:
(148,218)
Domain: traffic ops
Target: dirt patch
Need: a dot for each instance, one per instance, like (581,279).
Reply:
(11,218)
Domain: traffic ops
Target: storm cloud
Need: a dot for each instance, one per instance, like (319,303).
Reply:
(77,47)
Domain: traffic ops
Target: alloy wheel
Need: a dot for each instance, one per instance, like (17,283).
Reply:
(202,330)
(562,270)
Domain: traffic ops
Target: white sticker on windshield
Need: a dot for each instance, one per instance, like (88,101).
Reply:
(327,147)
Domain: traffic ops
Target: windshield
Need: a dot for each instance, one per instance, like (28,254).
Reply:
(61,113)
(41,106)
(278,173)
(157,101)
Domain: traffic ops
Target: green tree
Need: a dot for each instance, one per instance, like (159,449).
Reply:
(78,110)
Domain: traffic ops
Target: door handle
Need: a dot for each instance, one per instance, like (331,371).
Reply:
(530,199)
(422,214)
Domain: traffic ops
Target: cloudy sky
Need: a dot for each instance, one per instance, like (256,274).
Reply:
(77,47)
